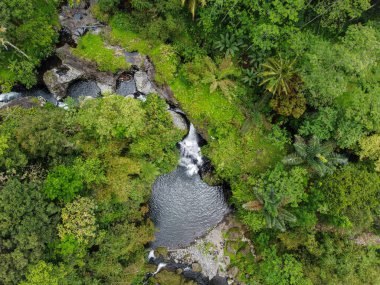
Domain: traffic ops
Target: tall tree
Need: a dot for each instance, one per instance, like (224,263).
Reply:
(27,225)
(280,78)
(319,157)
(272,206)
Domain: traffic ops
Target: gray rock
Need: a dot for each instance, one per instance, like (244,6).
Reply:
(6,97)
(84,89)
(196,267)
(24,102)
(135,58)
(42,95)
(217,280)
(143,84)
(178,120)
(58,80)
(104,88)
(126,88)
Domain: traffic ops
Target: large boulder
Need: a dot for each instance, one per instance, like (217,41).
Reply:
(135,59)
(143,83)
(126,88)
(83,89)
(58,79)
(178,120)
(73,69)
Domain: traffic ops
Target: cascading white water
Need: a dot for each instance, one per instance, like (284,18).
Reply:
(159,267)
(191,157)
(151,255)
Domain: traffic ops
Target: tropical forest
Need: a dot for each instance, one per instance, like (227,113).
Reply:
(189,142)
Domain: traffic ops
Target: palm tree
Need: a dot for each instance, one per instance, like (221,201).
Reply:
(279,76)
(219,77)
(320,157)
(192,4)
(272,206)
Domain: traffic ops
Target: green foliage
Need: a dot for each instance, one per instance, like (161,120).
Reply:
(205,70)
(353,193)
(333,15)
(282,81)
(228,44)
(353,57)
(192,4)
(92,47)
(108,6)
(78,220)
(118,147)
(46,273)
(27,226)
(272,206)
(42,134)
(162,55)
(370,148)
(65,182)
(342,262)
(222,123)
(284,269)
(319,157)
(30,34)
(111,117)
(321,124)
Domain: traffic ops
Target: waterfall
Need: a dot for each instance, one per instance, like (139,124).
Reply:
(151,255)
(159,267)
(191,157)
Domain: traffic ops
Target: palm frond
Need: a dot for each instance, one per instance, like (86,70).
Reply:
(255,205)
(292,159)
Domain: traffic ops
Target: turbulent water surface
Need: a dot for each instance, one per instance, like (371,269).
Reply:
(183,207)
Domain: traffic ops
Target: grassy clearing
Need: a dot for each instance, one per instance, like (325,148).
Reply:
(92,48)
(163,56)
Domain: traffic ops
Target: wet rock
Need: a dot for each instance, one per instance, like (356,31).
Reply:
(78,21)
(85,89)
(58,80)
(6,97)
(73,69)
(179,271)
(24,102)
(218,280)
(143,83)
(126,88)
(196,267)
(178,120)
(42,95)
(104,88)
(135,58)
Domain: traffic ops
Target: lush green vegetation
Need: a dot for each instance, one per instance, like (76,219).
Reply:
(75,186)
(91,47)
(286,94)
(28,31)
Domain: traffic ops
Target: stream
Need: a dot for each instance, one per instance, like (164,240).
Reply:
(182,206)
